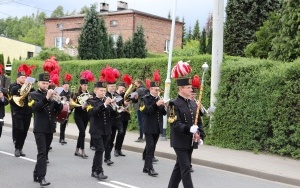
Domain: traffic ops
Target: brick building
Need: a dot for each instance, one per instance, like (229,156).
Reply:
(64,32)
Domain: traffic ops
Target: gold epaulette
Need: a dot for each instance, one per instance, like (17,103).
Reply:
(31,103)
(89,107)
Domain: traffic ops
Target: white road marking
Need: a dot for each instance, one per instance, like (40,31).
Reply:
(124,184)
(110,185)
(25,158)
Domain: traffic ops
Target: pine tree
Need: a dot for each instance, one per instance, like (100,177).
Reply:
(89,41)
(139,43)
(286,44)
(112,48)
(243,18)
(120,47)
(104,44)
(209,24)
(8,61)
(202,46)
(209,42)
(196,31)
(189,36)
(183,32)
(128,49)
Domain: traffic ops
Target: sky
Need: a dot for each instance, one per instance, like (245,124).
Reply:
(191,10)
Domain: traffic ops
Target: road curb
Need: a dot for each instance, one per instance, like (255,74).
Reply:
(206,163)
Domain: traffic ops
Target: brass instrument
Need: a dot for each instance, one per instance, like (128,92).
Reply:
(130,89)
(24,91)
(172,117)
(83,98)
(72,103)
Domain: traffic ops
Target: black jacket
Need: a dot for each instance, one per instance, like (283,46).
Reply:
(2,107)
(101,117)
(153,115)
(185,111)
(44,112)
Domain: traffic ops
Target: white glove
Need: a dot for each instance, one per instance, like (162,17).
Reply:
(194,129)
(200,142)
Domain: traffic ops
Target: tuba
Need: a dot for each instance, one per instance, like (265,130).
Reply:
(25,89)
(72,103)
(130,89)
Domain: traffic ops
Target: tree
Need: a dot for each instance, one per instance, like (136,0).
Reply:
(209,24)
(286,44)
(139,43)
(104,43)
(169,15)
(112,48)
(8,61)
(202,46)
(89,41)
(1,60)
(84,10)
(243,18)
(209,42)
(263,38)
(120,47)
(183,32)
(58,12)
(128,49)
(196,31)
(189,36)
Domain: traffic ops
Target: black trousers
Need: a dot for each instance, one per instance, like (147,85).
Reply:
(1,125)
(151,141)
(121,136)
(12,121)
(99,142)
(81,123)
(63,126)
(22,124)
(181,169)
(43,142)
(117,126)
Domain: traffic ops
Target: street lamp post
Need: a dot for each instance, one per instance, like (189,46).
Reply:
(168,80)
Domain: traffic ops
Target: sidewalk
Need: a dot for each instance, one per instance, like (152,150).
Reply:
(274,168)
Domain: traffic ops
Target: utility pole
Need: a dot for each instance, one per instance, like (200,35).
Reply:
(168,80)
(217,50)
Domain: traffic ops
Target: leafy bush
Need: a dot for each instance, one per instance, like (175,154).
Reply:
(59,54)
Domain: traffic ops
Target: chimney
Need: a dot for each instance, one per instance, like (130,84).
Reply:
(104,7)
(122,5)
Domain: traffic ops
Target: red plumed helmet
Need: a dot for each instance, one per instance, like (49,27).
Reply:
(116,73)
(68,77)
(156,76)
(109,74)
(127,79)
(51,65)
(54,79)
(181,69)
(1,69)
(87,74)
(196,82)
(148,83)
(25,68)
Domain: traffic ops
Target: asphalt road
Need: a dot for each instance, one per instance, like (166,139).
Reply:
(67,170)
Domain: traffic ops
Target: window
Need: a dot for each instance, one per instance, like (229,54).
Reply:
(167,46)
(29,55)
(113,23)
(115,39)
(59,42)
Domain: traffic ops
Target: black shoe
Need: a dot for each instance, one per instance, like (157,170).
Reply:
(154,160)
(43,182)
(77,154)
(108,162)
(101,176)
(62,141)
(116,153)
(93,148)
(35,178)
(145,170)
(17,153)
(121,153)
(22,154)
(152,172)
(95,175)
(139,140)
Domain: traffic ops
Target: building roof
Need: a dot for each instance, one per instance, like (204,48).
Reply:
(126,11)
(18,40)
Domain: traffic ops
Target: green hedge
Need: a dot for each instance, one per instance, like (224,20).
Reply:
(258,107)
(138,68)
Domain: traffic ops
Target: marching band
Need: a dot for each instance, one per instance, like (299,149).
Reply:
(106,110)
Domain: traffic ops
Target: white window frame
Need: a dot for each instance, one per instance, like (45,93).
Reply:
(167,45)
(115,39)
(59,42)
(113,23)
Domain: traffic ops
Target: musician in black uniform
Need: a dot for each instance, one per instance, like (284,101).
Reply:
(182,132)
(45,109)
(125,117)
(153,111)
(102,113)
(3,103)
(67,94)
(81,118)
(22,113)
(12,108)
(116,124)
